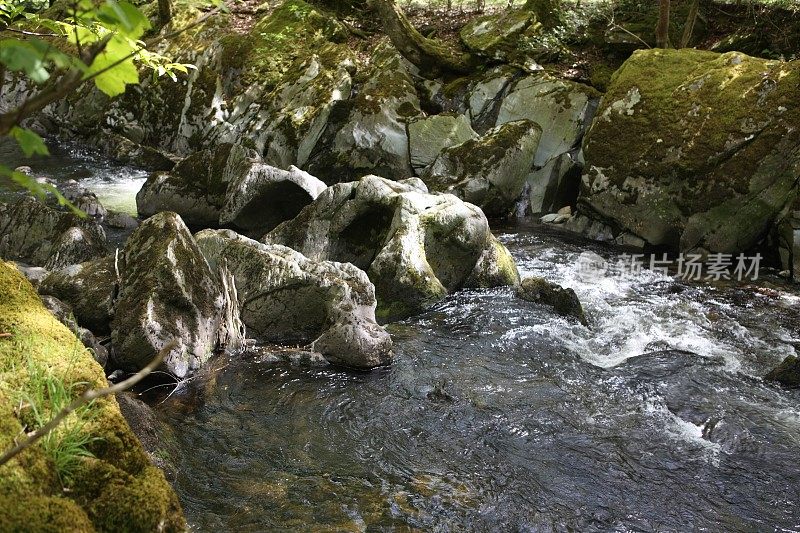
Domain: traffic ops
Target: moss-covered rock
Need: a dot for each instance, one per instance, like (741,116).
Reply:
(372,137)
(694,150)
(34,494)
(564,301)
(490,171)
(37,234)
(286,297)
(167,291)
(428,136)
(415,247)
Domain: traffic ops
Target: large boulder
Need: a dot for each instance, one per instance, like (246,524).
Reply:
(694,150)
(485,94)
(229,186)
(564,110)
(89,289)
(430,135)
(285,297)
(112,484)
(167,292)
(416,247)
(490,171)
(372,138)
(40,235)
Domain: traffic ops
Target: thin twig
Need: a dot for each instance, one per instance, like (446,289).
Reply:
(85,398)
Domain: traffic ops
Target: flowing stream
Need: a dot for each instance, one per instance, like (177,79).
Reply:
(498,414)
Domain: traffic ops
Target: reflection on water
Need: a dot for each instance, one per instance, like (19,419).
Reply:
(115,185)
(498,415)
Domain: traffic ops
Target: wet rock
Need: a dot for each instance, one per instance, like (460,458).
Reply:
(429,136)
(38,235)
(564,301)
(416,247)
(145,425)
(787,373)
(131,152)
(564,110)
(647,172)
(83,199)
(490,171)
(167,292)
(33,274)
(89,289)
(373,138)
(286,297)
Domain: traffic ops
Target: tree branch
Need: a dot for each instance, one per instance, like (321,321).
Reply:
(85,398)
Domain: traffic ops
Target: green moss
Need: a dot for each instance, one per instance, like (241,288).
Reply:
(42,514)
(38,339)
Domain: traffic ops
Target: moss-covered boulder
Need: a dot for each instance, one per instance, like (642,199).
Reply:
(694,150)
(110,485)
(428,136)
(564,301)
(89,289)
(415,247)
(372,138)
(564,110)
(167,291)
(34,233)
(286,297)
(490,171)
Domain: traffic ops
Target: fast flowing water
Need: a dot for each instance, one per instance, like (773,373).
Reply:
(498,414)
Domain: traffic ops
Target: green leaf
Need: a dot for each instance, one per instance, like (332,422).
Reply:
(29,141)
(124,17)
(114,68)
(21,56)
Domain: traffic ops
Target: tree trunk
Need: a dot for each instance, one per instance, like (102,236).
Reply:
(688,28)
(431,57)
(164,12)
(662,29)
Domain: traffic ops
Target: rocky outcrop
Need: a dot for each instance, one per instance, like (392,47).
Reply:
(285,297)
(564,110)
(490,171)
(36,234)
(108,485)
(89,289)
(229,186)
(372,139)
(564,301)
(695,151)
(167,291)
(430,135)
(415,247)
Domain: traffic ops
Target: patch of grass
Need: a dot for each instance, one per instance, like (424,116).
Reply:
(39,399)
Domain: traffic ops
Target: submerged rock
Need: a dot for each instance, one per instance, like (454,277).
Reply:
(167,292)
(286,297)
(416,247)
(564,301)
(490,171)
(694,150)
(787,373)
(39,235)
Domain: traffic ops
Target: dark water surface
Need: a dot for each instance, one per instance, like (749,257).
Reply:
(499,415)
